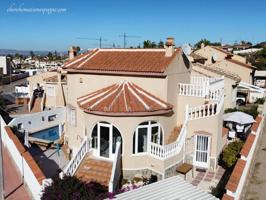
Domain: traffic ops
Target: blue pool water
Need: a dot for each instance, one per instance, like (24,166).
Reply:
(51,134)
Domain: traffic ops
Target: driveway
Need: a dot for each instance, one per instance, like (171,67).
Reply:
(256,189)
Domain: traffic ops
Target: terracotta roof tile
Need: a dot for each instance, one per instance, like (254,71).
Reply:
(123,99)
(15,139)
(225,131)
(26,155)
(247,146)
(218,70)
(240,63)
(227,197)
(122,60)
(222,50)
(255,125)
(234,179)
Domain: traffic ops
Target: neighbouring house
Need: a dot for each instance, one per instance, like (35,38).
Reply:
(136,112)
(260,78)
(5,65)
(231,81)
(221,58)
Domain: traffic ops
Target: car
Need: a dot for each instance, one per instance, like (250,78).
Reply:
(241,100)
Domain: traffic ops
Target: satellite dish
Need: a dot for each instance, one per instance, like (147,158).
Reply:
(186,49)
(214,57)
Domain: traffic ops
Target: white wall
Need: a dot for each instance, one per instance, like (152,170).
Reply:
(36,119)
(22,165)
(3,64)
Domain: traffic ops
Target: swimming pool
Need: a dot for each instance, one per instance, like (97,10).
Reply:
(50,134)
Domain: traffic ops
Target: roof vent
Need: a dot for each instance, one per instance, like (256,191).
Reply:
(169,47)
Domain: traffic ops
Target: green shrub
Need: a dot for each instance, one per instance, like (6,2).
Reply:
(137,179)
(260,101)
(231,153)
(229,110)
(253,110)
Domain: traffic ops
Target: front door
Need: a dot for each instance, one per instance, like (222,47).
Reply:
(202,145)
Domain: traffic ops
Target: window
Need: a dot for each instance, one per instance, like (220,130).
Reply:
(145,133)
(51,118)
(43,118)
(81,80)
(20,126)
(50,91)
(29,122)
(72,116)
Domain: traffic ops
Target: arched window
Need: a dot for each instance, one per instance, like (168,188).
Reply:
(146,133)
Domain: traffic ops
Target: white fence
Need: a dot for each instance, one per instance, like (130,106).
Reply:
(73,165)
(38,121)
(116,169)
(34,186)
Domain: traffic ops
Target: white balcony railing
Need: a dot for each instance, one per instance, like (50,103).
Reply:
(166,151)
(116,169)
(187,89)
(202,87)
(74,163)
(169,150)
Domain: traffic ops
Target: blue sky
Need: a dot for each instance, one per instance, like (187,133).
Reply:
(186,21)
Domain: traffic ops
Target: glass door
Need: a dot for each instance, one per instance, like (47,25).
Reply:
(202,144)
(104,140)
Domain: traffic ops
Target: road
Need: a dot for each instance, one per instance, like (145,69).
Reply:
(256,189)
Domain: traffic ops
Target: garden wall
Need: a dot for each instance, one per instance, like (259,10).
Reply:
(30,171)
(239,176)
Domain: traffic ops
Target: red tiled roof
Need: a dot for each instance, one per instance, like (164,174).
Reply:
(121,60)
(247,146)
(227,197)
(240,63)
(123,99)
(222,50)
(234,179)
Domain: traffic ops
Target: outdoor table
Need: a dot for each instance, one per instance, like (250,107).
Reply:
(184,169)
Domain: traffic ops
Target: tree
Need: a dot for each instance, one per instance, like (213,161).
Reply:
(50,56)
(71,187)
(147,44)
(160,44)
(32,54)
(204,41)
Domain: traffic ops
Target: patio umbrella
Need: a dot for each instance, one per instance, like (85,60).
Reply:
(238,117)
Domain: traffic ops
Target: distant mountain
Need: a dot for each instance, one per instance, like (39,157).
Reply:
(4,52)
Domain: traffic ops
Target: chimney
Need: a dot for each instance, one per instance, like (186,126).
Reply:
(73,52)
(202,45)
(169,47)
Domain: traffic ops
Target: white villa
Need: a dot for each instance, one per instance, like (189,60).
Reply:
(134,112)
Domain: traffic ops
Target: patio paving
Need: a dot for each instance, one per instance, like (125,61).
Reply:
(205,180)
(50,161)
